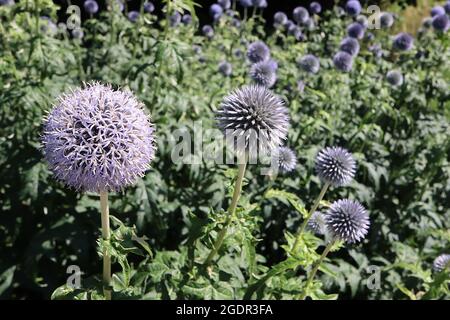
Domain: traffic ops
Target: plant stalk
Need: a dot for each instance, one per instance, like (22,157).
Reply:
(104,208)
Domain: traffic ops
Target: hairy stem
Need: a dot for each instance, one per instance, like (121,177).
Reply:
(104,208)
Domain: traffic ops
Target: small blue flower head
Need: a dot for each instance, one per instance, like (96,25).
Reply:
(316,223)
(347,220)
(335,165)
(403,41)
(259,3)
(437,10)
(225,68)
(77,33)
(149,7)
(225,4)
(235,22)
(280,18)
(175,19)
(350,45)
(296,32)
(300,15)
(263,74)
(362,20)
(343,61)
(47,26)
(309,63)
(369,36)
(315,7)
(386,20)
(91,6)
(238,53)
(258,51)
(215,11)
(447,7)
(353,8)
(395,78)
(441,263)
(440,22)
(286,158)
(133,16)
(186,19)
(245,3)
(355,30)
(208,31)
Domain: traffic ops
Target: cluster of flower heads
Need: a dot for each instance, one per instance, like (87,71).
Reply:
(98,139)
(439,18)
(302,19)
(263,69)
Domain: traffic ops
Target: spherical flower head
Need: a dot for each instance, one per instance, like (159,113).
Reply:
(238,53)
(77,33)
(149,7)
(280,18)
(296,32)
(300,15)
(403,41)
(315,7)
(175,19)
(437,10)
(362,20)
(447,7)
(117,5)
(208,31)
(355,30)
(369,36)
(258,51)
(133,16)
(441,263)
(316,223)
(441,22)
(245,3)
(186,19)
(236,23)
(273,64)
(253,119)
(347,220)
(386,20)
(259,3)
(225,68)
(336,166)
(350,45)
(225,4)
(91,6)
(215,10)
(47,26)
(309,63)
(395,78)
(98,139)
(353,8)
(263,73)
(343,61)
(6,2)
(427,22)
(286,158)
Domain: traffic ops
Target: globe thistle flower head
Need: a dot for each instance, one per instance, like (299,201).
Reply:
(353,8)
(286,159)
(238,53)
(441,263)
(6,2)
(347,220)
(437,10)
(98,139)
(77,33)
(355,30)
(258,51)
(441,22)
(335,165)
(369,36)
(315,7)
(47,26)
(403,41)
(263,74)
(447,7)
(253,119)
(316,223)
(133,16)
(395,78)
(91,6)
(259,3)
(245,3)
(280,18)
(300,15)
(309,63)
(386,20)
(215,11)
(225,68)
(186,19)
(350,45)
(343,61)
(208,31)
(175,19)
(225,4)
(149,7)
(362,20)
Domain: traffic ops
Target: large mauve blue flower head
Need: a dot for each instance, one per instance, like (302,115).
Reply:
(186,19)
(133,16)
(403,41)
(149,7)
(300,15)
(441,263)
(437,10)
(208,31)
(386,20)
(98,139)
(343,61)
(91,6)
(175,19)
(253,119)
(286,159)
(350,45)
(258,51)
(280,18)
(225,68)
(225,4)
(395,78)
(335,165)
(215,11)
(355,30)
(440,22)
(309,63)
(347,220)
(315,7)
(353,7)
(263,73)
(245,3)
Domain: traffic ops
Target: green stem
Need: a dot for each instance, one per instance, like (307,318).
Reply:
(305,222)
(104,209)
(314,270)
(231,212)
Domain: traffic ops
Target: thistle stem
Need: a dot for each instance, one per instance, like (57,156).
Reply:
(231,212)
(104,208)
(314,270)
(313,209)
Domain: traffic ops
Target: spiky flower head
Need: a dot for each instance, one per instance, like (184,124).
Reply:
(215,11)
(208,31)
(335,165)
(441,262)
(403,41)
(395,78)
(355,30)
(386,20)
(343,61)
(350,45)
(98,139)
(225,4)
(317,223)
(253,119)
(186,19)
(353,8)
(286,159)
(347,220)
(133,16)
(91,6)
(77,33)
(175,19)
(258,51)
(263,73)
(300,15)
(259,3)
(309,63)
(149,7)
(225,68)
(315,7)
(280,18)
(437,10)
(441,22)
(245,3)
(447,7)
